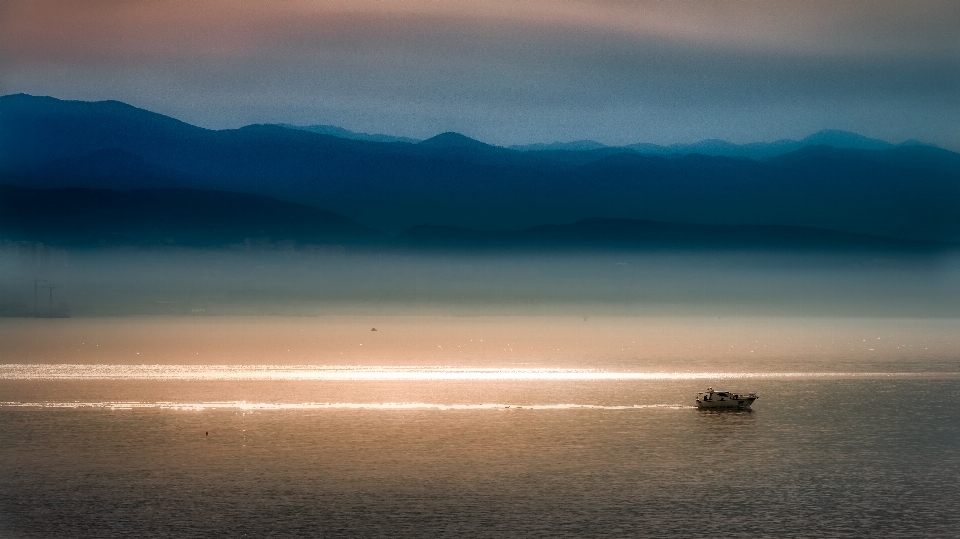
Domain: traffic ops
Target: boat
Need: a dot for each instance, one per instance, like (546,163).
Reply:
(724,400)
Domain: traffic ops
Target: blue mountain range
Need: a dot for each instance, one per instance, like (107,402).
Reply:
(831,180)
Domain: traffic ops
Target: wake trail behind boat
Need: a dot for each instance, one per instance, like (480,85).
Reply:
(264,406)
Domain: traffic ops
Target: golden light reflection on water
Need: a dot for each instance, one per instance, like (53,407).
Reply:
(396,373)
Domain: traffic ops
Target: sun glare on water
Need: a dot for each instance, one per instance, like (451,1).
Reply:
(392,373)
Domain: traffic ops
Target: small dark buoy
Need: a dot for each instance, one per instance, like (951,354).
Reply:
(207,433)
(373,329)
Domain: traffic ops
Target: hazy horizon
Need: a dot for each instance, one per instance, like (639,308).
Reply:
(116,282)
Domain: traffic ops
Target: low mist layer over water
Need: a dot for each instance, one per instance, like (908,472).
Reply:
(111,282)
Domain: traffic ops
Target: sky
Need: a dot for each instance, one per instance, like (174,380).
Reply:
(506,72)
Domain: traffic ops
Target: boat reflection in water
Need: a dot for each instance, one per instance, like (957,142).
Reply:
(724,400)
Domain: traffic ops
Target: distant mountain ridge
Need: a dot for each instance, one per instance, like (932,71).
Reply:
(575,146)
(905,191)
(834,138)
(721,148)
(340,132)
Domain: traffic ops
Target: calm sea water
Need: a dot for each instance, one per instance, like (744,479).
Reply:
(870,453)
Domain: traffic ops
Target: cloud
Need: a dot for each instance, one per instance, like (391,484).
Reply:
(506,71)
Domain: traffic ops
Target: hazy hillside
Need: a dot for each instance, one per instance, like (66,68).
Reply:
(76,217)
(155,217)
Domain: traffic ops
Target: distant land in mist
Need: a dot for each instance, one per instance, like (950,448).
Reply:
(721,148)
(79,217)
(75,217)
(81,172)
